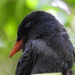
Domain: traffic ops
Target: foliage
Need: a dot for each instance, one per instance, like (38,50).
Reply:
(11,14)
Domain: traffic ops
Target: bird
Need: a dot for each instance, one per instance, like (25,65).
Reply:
(45,44)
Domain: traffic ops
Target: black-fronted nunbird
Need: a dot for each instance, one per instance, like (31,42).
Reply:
(45,43)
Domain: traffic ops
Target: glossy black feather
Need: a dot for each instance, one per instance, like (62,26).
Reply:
(46,48)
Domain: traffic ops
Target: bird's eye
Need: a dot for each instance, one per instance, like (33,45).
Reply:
(28,24)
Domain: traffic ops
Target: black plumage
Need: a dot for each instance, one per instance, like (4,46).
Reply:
(46,45)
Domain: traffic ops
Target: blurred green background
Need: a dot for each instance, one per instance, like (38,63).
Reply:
(12,13)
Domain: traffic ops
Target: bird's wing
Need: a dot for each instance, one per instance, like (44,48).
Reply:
(64,45)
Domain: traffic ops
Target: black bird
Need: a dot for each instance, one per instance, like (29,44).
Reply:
(45,44)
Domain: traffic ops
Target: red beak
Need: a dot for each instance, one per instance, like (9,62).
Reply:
(16,48)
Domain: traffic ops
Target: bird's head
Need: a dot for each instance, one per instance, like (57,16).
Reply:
(23,30)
